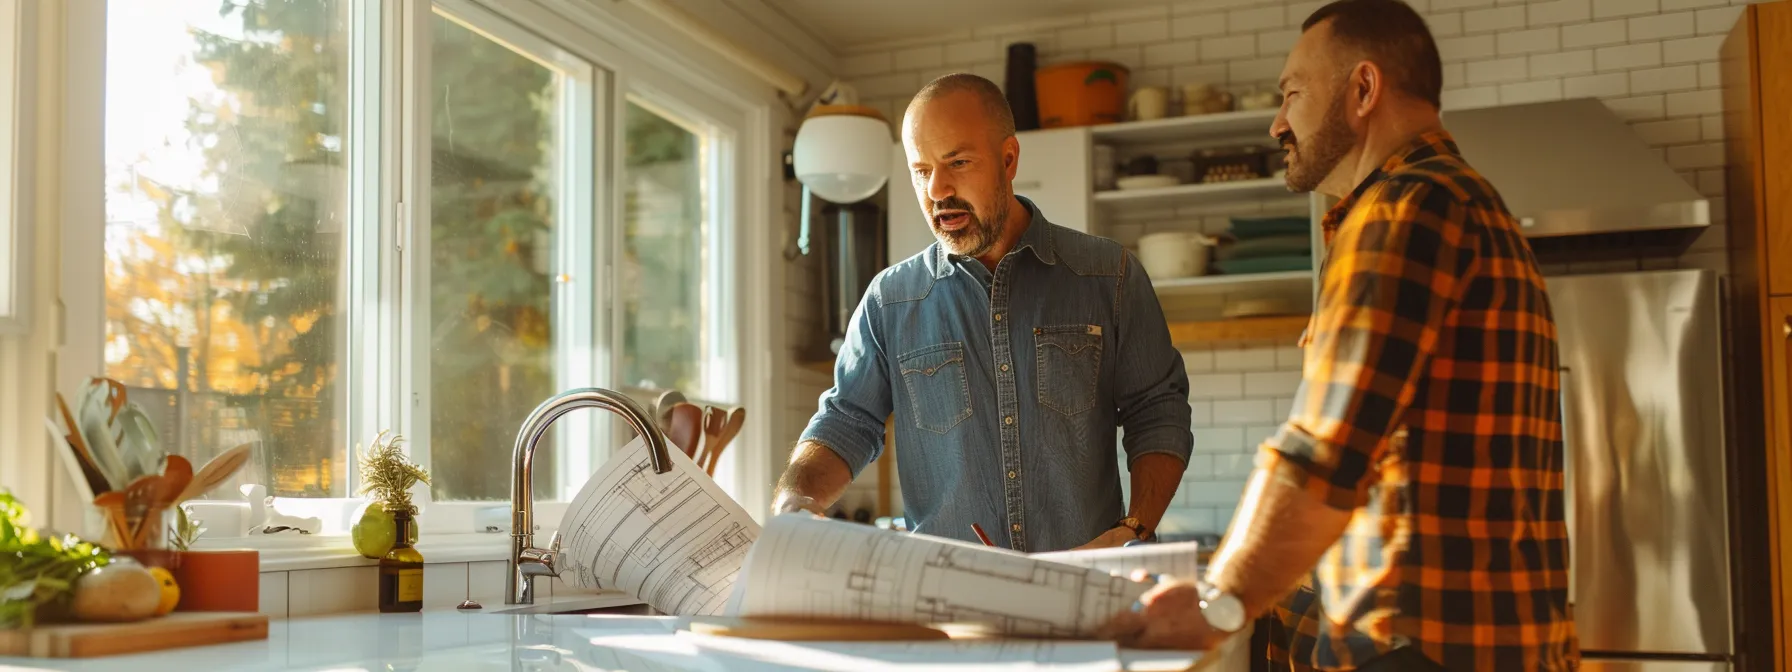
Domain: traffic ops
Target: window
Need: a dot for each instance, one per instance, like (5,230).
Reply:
(296,257)
(15,253)
(506,146)
(225,208)
(666,317)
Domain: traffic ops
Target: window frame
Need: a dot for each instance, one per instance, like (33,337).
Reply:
(17,76)
(388,188)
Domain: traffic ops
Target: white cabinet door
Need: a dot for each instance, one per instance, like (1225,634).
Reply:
(1054,173)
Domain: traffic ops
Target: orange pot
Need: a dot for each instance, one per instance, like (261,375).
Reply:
(225,580)
(1081,94)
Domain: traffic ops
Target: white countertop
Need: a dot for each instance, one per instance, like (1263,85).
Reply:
(452,641)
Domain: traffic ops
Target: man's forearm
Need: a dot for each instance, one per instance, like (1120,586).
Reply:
(1155,477)
(1279,534)
(815,472)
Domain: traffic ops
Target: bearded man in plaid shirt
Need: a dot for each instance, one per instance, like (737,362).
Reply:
(1413,500)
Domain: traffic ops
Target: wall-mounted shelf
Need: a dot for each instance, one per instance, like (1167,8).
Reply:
(1269,328)
(1196,194)
(1226,126)
(1217,284)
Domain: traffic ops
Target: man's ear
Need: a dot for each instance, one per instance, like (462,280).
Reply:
(1010,156)
(1366,87)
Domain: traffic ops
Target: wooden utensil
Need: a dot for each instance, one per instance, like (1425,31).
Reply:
(111,506)
(96,478)
(177,474)
(662,409)
(215,472)
(687,421)
(139,497)
(731,428)
(714,421)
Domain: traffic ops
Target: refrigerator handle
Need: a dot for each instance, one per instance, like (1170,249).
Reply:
(1567,477)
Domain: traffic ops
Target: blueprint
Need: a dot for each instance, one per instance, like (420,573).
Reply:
(704,653)
(674,540)
(805,566)
(1179,559)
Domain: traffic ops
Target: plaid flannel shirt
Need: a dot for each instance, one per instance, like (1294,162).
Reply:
(1430,408)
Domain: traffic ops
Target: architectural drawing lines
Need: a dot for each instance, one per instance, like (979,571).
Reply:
(675,540)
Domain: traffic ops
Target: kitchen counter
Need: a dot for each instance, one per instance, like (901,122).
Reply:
(450,640)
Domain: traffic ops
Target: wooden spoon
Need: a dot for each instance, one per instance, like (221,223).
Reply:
(720,440)
(215,472)
(177,473)
(687,421)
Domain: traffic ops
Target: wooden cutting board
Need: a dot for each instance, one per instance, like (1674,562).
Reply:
(806,630)
(176,630)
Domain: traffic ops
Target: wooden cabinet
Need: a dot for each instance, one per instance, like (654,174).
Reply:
(1054,173)
(1757,94)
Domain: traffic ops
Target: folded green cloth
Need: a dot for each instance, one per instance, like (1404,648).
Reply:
(1264,265)
(1260,227)
(1268,246)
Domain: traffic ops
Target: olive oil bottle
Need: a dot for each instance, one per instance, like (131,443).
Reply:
(401,571)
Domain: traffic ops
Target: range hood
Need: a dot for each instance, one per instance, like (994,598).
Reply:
(1572,168)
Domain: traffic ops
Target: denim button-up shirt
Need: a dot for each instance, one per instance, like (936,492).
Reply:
(1007,387)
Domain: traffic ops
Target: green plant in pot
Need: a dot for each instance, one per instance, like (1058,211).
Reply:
(388,476)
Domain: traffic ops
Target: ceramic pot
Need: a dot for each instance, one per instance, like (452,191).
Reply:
(1175,254)
(221,580)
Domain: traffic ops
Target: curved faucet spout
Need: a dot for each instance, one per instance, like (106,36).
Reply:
(526,561)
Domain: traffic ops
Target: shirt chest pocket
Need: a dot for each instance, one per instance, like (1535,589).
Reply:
(938,391)
(1069,366)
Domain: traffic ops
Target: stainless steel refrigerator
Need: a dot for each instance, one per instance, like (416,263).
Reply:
(1647,498)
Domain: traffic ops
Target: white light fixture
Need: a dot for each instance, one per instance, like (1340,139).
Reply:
(842,152)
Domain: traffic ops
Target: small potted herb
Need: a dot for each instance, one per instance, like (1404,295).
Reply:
(388,476)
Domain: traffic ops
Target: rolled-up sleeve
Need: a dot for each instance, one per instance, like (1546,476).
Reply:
(850,417)
(1390,285)
(1151,381)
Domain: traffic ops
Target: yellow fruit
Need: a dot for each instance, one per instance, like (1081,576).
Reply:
(170,590)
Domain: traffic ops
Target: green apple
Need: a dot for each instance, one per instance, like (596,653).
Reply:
(374,532)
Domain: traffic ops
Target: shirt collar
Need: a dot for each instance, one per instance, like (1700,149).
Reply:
(1038,238)
(1425,146)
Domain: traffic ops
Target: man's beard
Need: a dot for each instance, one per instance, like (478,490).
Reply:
(1312,158)
(978,235)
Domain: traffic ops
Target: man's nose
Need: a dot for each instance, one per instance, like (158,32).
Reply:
(939,187)
(1280,126)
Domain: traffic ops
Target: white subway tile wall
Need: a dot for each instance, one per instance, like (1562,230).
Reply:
(1653,62)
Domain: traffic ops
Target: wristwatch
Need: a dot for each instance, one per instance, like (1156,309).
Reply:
(1221,609)
(1137,526)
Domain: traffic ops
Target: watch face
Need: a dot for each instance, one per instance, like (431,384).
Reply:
(1224,612)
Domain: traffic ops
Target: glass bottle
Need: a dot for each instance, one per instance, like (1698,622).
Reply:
(401,571)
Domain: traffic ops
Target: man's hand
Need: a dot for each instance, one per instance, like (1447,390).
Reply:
(790,502)
(1111,538)
(1166,617)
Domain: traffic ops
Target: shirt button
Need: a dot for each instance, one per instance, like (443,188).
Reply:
(1015,527)
(1014,474)
(1004,367)
(998,317)
(1008,420)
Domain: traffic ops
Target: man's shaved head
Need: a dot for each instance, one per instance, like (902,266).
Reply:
(995,104)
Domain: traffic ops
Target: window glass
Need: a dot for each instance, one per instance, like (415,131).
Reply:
(495,128)
(666,279)
(225,208)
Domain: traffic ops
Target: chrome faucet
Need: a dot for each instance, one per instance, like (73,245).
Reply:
(526,561)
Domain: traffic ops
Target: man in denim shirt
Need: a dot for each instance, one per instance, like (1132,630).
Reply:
(1009,351)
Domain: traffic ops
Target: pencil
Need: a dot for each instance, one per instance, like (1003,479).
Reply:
(980,535)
